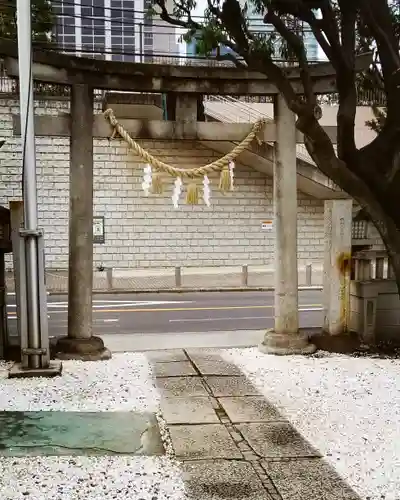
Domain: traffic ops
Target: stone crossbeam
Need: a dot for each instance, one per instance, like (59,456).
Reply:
(60,126)
(54,67)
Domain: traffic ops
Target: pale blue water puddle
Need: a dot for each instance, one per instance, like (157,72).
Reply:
(79,433)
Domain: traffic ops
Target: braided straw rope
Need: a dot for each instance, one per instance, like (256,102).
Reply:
(190,173)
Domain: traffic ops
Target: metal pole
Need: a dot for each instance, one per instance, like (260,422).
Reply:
(141,41)
(178,277)
(309,274)
(29,173)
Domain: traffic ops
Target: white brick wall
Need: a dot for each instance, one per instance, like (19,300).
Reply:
(148,232)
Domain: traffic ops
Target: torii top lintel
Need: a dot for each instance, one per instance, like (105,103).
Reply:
(55,67)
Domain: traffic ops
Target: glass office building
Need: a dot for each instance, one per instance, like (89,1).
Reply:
(113,29)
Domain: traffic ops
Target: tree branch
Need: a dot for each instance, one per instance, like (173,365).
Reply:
(215,11)
(297,45)
(331,30)
(233,59)
(346,84)
(377,16)
(316,26)
(165,16)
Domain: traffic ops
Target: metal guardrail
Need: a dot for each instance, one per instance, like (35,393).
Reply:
(180,278)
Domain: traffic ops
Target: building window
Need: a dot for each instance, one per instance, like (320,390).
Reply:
(360,230)
(123,30)
(97,30)
(148,39)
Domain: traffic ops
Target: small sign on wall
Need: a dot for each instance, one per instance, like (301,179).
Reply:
(98,230)
(267,225)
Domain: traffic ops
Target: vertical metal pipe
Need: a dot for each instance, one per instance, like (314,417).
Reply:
(141,41)
(308,274)
(29,177)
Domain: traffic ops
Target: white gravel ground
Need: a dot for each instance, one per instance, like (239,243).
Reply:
(122,384)
(90,478)
(349,408)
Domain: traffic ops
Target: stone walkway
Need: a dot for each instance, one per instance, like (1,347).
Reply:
(233,444)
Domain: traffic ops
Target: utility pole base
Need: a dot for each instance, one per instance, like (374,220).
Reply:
(53,370)
(91,349)
(285,344)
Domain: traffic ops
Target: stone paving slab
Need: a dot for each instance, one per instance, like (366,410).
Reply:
(308,479)
(253,453)
(231,386)
(276,440)
(203,441)
(215,365)
(241,409)
(166,356)
(181,386)
(175,369)
(188,410)
(222,480)
(203,352)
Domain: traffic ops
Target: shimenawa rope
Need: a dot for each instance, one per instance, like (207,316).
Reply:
(223,165)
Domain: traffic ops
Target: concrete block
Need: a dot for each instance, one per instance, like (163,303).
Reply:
(215,365)
(276,440)
(311,479)
(166,356)
(249,409)
(188,410)
(181,386)
(173,369)
(54,370)
(231,386)
(222,479)
(202,442)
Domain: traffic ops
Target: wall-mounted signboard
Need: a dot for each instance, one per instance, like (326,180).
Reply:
(98,230)
(267,225)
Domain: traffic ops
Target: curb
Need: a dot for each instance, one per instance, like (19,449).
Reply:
(122,291)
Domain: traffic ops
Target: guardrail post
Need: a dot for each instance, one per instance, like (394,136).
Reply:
(245,275)
(308,274)
(109,278)
(178,277)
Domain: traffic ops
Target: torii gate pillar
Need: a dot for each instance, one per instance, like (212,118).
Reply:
(80,342)
(285,338)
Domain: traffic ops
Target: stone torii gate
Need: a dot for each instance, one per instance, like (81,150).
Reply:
(186,84)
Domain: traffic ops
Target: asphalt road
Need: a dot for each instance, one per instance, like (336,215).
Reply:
(178,313)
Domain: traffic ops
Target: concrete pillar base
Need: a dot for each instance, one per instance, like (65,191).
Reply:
(53,370)
(284,344)
(91,349)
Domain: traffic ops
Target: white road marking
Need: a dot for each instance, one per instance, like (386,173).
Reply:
(217,319)
(182,320)
(310,309)
(230,318)
(115,304)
